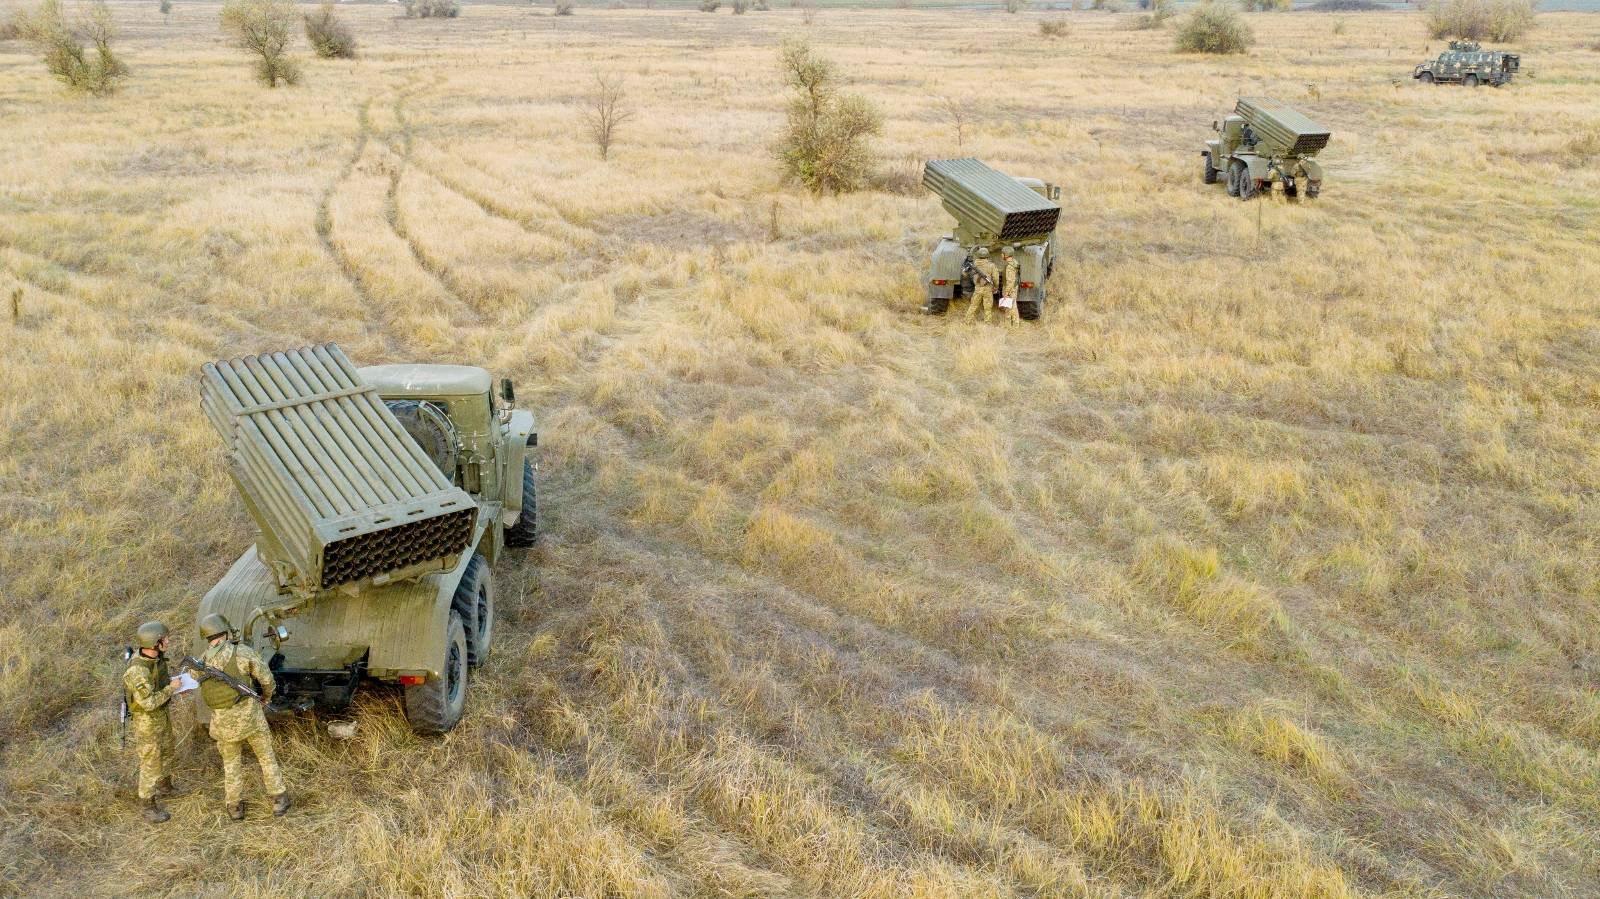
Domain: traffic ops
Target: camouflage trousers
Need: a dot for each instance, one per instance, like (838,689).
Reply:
(1010,313)
(232,728)
(152,743)
(982,299)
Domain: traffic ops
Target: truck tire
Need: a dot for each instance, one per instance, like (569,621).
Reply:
(474,601)
(435,705)
(1427,77)
(526,530)
(1233,177)
(1470,80)
(1210,176)
(1247,185)
(1029,310)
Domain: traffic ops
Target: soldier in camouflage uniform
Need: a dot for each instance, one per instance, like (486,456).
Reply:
(983,284)
(1008,285)
(237,719)
(150,687)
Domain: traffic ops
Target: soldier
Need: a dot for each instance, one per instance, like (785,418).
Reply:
(984,278)
(1008,285)
(237,718)
(152,725)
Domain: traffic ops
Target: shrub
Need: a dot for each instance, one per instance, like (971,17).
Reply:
(1160,12)
(1346,6)
(79,55)
(1214,27)
(710,5)
(740,7)
(564,7)
(1107,5)
(1476,20)
(607,110)
(1265,5)
(10,27)
(1055,28)
(264,28)
(166,8)
(1014,6)
(438,9)
(761,6)
(826,142)
(328,35)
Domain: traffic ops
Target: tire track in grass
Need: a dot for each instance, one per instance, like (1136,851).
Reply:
(324,219)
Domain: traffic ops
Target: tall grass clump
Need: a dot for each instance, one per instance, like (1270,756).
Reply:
(1055,28)
(826,143)
(1480,20)
(1265,5)
(264,28)
(432,9)
(79,55)
(1214,27)
(10,27)
(1159,12)
(329,35)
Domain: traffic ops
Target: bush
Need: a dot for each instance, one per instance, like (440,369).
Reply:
(1214,27)
(826,142)
(740,7)
(264,28)
(79,55)
(1160,12)
(10,27)
(1107,5)
(1014,6)
(607,110)
(564,7)
(1055,28)
(439,9)
(1480,20)
(710,5)
(1265,5)
(1346,6)
(328,35)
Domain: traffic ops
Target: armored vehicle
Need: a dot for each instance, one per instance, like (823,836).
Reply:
(1262,143)
(381,497)
(992,210)
(1469,64)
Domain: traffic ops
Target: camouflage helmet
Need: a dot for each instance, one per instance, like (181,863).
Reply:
(983,252)
(151,633)
(214,625)
(1009,250)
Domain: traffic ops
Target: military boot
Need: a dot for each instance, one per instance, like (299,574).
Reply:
(280,804)
(165,787)
(154,813)
(236,811)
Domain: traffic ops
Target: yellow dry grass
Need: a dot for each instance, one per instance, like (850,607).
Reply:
(1263,566)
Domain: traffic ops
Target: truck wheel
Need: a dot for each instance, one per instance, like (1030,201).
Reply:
(1029,310)
(435,705)
(1234,178)
(526,530)
(474,601)
(1427,77)
(1211,171)
(1245,186)
(938,305)
(1470,81)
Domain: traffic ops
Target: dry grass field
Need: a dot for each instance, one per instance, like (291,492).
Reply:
(1263,566)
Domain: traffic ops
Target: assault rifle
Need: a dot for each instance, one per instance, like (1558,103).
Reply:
(967,268)
(190,663)
(122,714)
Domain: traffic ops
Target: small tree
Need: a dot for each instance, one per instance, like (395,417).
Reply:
(1480,20)
(264,28)
(564,7)
(960,115)
(826,143)
(80,55)
(606,112)
(1214,27)
(740,7)
(1014,6)
(166,11)
(329,36)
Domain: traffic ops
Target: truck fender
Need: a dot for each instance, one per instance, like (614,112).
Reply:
(1312,169)
(945,265)
(519,430)
(1031,270)
(1260,169)
(1214,150)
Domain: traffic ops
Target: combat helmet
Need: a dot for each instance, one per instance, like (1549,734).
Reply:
(1008,250)
(151,633)
(214,625)
(983,253)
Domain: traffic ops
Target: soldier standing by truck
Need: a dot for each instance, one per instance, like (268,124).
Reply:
(237,717)
(152,725)
(984,278)
(1008,285)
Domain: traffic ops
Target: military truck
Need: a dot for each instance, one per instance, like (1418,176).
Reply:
(1469,64)
(992,210)
(381,496)
(1264,142)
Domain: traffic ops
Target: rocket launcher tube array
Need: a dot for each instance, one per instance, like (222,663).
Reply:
(343,493)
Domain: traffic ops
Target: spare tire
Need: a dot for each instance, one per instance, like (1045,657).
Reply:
(431,428)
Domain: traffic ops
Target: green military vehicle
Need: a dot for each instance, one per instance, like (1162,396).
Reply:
(381,497)
(1469,64)
(992,210)
(1265,142)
